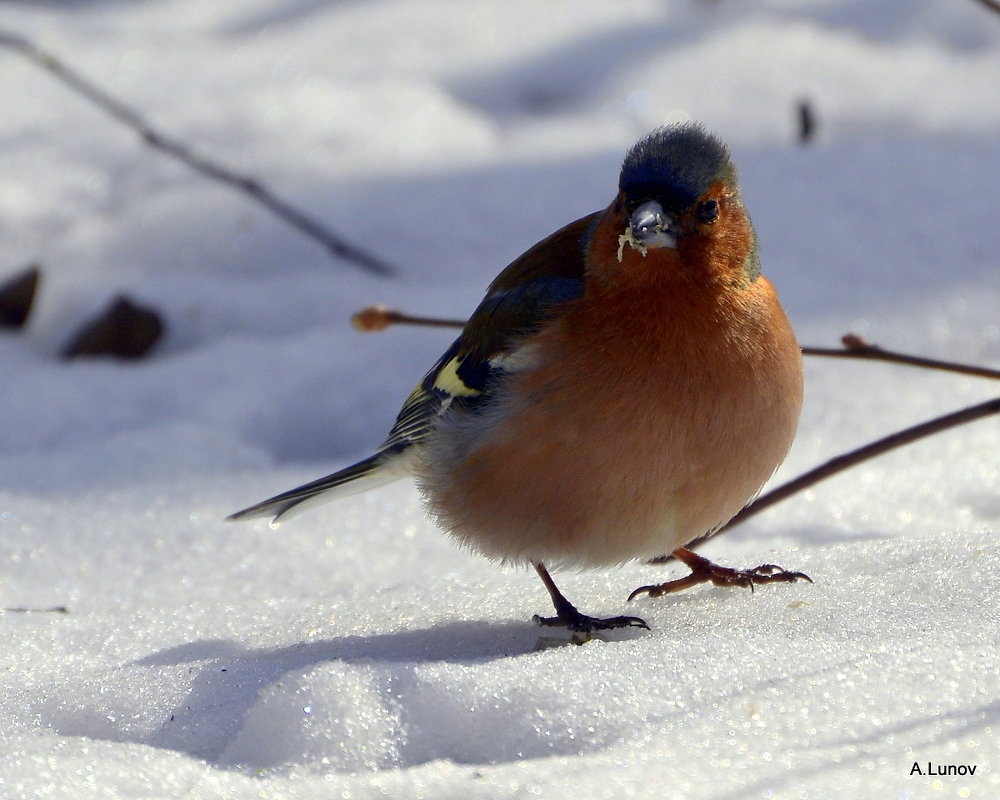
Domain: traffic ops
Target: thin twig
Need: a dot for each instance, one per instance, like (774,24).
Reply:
(848,460)
(992,5)
(378,318)
(248,186)
(856,347)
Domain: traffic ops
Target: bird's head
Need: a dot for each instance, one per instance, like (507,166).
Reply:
(678,203)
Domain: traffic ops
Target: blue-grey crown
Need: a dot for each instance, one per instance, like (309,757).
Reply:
(675,165)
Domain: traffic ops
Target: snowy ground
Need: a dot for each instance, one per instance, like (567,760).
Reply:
(356,652)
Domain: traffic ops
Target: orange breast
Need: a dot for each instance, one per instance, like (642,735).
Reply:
(657,413)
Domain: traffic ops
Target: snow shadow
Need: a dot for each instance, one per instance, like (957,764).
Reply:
(353,704)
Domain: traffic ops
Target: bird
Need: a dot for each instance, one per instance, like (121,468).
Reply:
(626,385)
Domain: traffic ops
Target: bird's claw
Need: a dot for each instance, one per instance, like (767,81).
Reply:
(581,623)
(771,573)
(705,571)
(747,578)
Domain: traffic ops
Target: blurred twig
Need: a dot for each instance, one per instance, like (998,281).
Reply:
(379,317)
(249,186)
(992,5)
(807,121)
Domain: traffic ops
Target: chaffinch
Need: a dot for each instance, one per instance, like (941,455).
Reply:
(626,386)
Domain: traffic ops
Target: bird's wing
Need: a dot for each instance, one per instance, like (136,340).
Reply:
(528,293)
(525,295)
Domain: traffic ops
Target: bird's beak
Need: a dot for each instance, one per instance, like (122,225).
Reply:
(651,227)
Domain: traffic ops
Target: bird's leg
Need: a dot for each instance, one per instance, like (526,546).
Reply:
(705,571)
(567,615)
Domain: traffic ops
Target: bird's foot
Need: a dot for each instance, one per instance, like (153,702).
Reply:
(567,615)
(705,571)
(581,623)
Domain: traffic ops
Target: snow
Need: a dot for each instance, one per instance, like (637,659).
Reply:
(356,652)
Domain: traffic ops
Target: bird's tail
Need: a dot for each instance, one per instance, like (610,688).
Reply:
(373,471)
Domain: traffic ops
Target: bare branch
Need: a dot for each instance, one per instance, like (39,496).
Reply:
(248,186)
(856,347)
(378,318)
(992,5)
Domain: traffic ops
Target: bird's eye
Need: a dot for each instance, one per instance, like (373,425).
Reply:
(708,211)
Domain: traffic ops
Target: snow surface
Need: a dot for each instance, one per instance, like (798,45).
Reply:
(356,652)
